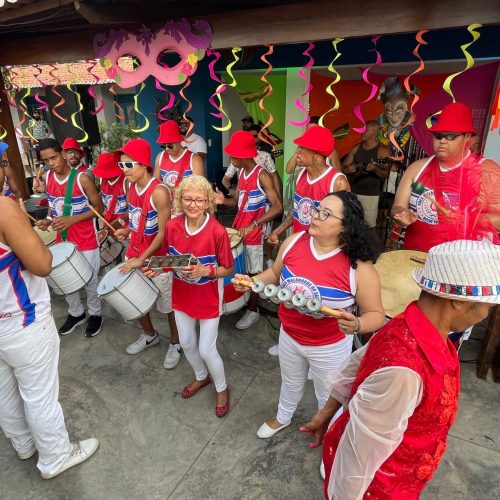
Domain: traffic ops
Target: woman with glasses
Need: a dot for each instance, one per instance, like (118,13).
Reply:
(197,290)
(149,210)
(332,262)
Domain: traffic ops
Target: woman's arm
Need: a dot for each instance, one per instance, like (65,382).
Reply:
(369,298)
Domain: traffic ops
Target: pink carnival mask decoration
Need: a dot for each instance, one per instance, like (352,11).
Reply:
(189,42)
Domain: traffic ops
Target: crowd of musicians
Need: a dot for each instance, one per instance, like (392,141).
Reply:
(384,410)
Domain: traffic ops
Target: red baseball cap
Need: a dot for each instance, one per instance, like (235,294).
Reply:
(455,117)
(317,139)
(241,145)
(106,167)
(71,143)
(138,149)
(169,133)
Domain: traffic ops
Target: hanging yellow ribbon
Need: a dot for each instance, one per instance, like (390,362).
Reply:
(73,115)
(138,111)
(336,80)
(24,109)
(3,134)
(232,83)
(470,63)
(269,91)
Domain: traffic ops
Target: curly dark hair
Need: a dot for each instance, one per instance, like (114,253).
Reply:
(359,241)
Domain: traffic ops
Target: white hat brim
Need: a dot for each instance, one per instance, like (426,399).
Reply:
(418,274)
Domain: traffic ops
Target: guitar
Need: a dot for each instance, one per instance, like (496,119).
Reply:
(276,153)
(361,168)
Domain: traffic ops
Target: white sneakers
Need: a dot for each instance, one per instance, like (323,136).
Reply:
(265,431)
(173,356)
(24,455)
(248,319)
(79,452)
(143,342)
(274,350)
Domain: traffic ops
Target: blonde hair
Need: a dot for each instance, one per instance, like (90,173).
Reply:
(195,182)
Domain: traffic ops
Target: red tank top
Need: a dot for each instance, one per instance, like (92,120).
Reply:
(252,204)
(173,171)
(409,340)
(82,234)
(327,277)
(309,193)
(114,198)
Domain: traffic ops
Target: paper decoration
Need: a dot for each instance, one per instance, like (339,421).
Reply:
(337,79)
(190,42)
(92,64)
(220,88)
(263,136)
(139,112)
(189,106)
(74,114)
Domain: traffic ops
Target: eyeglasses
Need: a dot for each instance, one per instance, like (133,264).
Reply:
(323,214)
(449,137)
(127,164)
(189,201)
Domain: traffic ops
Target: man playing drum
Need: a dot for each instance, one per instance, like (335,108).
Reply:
(69,193)
(149,211)
(258,204)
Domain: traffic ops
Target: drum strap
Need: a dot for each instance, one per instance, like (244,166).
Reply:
(68,199)
(146,203)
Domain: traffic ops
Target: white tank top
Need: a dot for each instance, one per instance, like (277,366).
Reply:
(24,297)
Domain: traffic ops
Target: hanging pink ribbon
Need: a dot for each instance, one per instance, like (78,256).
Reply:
(119,113)
(309,87)
(90,89)
(221,87)
(38,99)
(373,93)
(169,104)
(55,92)
(262,136)
(189,106)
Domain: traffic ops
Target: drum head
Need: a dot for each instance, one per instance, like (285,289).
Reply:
(61,252)
(234,237)
(48,237)
(112,280)
(398,286)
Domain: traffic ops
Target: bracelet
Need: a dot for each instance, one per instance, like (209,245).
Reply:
(255,223)
(358,326)
(212,271)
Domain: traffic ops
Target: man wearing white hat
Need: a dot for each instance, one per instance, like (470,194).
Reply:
(401,389)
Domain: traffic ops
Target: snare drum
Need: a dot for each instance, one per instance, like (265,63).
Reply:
(110,248)
(398,286)
(233,300)
(70,269)
(132,295)
(48,237)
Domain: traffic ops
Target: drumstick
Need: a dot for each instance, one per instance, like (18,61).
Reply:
(40,172)
(248,284)
(32,218)
(98,215)
(330,312)
(438,205)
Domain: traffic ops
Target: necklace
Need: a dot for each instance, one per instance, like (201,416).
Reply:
(444,167)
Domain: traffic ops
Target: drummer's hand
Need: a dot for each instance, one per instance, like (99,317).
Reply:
(150,273)
(38,185)
(317,428)
(242,277)
(44,224)
(244,231)
(406,217)
(273,239)
(220,199)
(199,271)
(121,234)
(62,223)
(131,264)
(348,323)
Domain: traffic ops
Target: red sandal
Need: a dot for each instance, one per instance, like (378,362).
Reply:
(221,411)
(187,392)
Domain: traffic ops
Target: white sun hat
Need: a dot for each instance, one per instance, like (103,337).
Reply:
(462,270)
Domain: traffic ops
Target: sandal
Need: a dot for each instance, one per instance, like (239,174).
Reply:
(188,392)
(221,411)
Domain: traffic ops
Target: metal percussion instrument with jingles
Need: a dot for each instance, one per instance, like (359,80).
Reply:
(70,269)
(233,300)
(398,286)
(132,294)
(109,247)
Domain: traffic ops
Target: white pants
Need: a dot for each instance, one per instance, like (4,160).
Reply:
(164,283)
(370,208)
(295,360)
(204,353)
(93,302)
(29,389)
(254,258)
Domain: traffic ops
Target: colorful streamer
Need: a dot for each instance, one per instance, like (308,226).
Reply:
(55,92)
(309,87)
(221,88)
(25,115)
(90,89)
(138,111)
(38,99)
(73,115)
(269,91)
(187,83)
(470,63)
(120,114)
(169,104)
(336,80)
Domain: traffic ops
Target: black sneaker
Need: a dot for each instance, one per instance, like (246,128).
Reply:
(94,326)
(71,323)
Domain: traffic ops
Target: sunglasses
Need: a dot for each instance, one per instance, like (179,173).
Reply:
(449,137)
(167,146)
(127,164)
